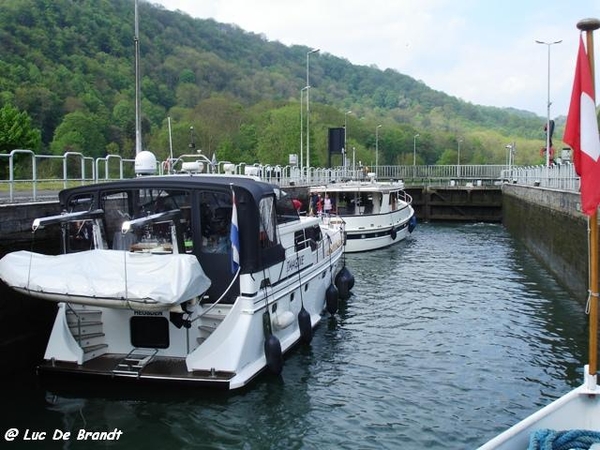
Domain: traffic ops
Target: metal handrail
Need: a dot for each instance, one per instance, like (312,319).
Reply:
(557,176)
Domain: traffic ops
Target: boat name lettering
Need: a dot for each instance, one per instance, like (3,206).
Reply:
(295,264)
(147,313)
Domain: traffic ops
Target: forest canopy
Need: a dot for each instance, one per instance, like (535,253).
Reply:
(67,83)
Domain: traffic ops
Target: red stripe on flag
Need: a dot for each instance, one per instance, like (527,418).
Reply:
(581,133)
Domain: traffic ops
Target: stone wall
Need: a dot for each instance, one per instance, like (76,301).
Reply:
(550,224)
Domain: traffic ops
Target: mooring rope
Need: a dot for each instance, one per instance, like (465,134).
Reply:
(546,439)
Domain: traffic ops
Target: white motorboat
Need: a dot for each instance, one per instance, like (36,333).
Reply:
(195,278)
(375,214)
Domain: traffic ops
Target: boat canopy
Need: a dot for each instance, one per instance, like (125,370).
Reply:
(104,274)
(195,195)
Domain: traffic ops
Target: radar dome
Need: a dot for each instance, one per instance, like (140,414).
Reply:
(145,163)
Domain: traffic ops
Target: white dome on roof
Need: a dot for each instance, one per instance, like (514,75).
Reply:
(145,163)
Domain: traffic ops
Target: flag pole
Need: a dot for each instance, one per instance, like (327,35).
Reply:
(589,25)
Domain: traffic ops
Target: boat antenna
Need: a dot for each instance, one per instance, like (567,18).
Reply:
(138,112)
(170,142)
(589,25)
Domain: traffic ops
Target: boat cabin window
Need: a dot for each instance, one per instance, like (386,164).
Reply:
(393,201)
(376,202)
(80,233)
(286,211)
(157,234)
(268,221)
(365,203)
(118,207)
(308,237)
(345,203)
(215,221)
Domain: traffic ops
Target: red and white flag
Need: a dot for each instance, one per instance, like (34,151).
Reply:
(581,133)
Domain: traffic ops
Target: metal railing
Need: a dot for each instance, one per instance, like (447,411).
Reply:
(557,176)
(26,176)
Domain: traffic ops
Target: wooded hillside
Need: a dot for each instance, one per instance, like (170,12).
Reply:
(69,65)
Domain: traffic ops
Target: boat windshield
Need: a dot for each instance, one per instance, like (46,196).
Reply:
(215,219)
(268,221)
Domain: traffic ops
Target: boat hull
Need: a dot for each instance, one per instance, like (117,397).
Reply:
(201,278)
(577,410)
(363,240)
(103,343)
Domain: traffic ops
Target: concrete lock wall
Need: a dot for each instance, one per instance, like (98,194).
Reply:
(552,227)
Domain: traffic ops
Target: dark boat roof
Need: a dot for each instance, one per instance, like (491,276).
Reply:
(256,188)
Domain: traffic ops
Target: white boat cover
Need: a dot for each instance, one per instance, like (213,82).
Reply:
(109,274)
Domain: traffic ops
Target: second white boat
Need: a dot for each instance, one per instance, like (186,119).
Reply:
(375,214)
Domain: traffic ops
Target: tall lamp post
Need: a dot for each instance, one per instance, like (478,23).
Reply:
(377,148)
(415,154)
(315,50)
(305,88)
(548,44)
(345,152)
(138,102)
(458,141)
(511,152)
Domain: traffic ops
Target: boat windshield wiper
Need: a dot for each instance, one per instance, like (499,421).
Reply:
(66,217)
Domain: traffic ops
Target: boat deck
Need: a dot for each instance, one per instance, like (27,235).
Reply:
(159,368)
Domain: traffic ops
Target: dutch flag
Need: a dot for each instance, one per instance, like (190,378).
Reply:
(234,236)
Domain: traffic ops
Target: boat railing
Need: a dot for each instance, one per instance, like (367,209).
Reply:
(42,222)
(219,300)
(189,163)
(406,197)
(78,317)
(164,216)
(65,218)
(333,221)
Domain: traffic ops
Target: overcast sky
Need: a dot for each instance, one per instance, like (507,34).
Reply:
(482,51)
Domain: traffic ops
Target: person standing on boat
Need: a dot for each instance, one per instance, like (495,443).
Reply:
(312,208)
(327,205)
(297,205)
(319,205)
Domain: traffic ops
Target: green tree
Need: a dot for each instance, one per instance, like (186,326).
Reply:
(278,136)
(448,157)
(80,132)
(16,130)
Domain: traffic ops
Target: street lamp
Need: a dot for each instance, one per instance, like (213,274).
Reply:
(377,147)
(305,88)
(415,149)
(548,44)
(192,144)
(345,152)
(415,155)
(511,153)
(458,141)
(315,50)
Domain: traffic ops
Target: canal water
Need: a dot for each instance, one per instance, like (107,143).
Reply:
(450,337)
